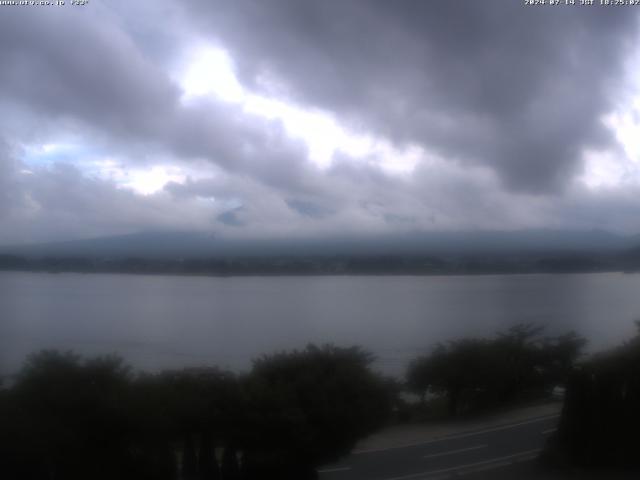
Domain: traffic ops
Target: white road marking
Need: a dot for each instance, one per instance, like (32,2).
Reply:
(547,432)
(337,469)
(457,436)
(452,452)
(483,465)
(503,463)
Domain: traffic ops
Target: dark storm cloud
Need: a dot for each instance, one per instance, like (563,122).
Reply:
(495,93)
(8,190)
(93,78)
(66,64)
(521,89)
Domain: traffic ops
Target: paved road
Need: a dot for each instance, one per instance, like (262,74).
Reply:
(492,448)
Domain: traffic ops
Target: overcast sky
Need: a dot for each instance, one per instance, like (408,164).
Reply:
(265,118)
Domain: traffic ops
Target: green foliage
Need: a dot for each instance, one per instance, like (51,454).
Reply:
(478,373)
(70,418)
(315,403)
(600,419)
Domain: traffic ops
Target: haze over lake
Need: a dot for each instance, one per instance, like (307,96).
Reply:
(173,321)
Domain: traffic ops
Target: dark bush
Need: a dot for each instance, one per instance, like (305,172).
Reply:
(67,418)
(600,418)
(475,374)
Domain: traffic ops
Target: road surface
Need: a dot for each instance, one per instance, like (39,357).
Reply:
(496,449)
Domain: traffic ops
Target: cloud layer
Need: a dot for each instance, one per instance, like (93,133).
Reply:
(503,112)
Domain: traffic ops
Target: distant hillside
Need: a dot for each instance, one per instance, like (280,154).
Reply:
(197,245)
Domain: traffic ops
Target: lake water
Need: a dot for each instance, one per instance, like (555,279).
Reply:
(171,321)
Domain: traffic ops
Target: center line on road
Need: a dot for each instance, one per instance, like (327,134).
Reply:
(457,436)
(452,452)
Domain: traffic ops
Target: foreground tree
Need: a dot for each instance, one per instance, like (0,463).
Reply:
(67,418)
(310,407)
(481,373)
(600,418)
(195,411)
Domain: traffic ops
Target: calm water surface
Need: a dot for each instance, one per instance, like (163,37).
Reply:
(171,321)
